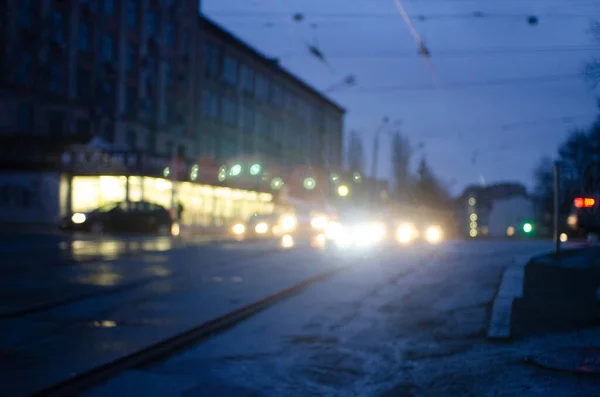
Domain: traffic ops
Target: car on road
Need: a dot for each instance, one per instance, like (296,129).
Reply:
(124,217)
(585,214)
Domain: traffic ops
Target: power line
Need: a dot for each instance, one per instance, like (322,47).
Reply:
(409,53)
(465,84)
(416,16)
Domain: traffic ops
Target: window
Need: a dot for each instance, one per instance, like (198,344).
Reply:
(83,36)
(109,7)
(228,111)
(276,97)
(262,125)
(131,13)
(24,70)
(57,19)
(262,87)
(25,118)
(229,70)
(169,75)
(131,138)
(84,78)
(130,56)
(108,48)
(170,34)
(56,122)
(107,96)
(82,126)
(185,42)
(26,13)
(248,118)
(211,61)
(290,101)
(54,77)
(131,97)
(109,132)
(169,148)
(247,77)
(151,23)
(210,105)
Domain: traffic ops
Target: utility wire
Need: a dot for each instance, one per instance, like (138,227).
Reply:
(465,84)
(387,15)
(409,53)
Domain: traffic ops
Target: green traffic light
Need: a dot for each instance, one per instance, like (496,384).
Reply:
(527,227)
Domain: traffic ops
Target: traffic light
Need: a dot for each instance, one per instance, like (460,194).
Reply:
(527,227)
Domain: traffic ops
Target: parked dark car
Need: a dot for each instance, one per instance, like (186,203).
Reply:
(585,214)
(123,217)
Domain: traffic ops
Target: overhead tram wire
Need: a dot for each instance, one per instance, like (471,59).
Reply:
(464,84)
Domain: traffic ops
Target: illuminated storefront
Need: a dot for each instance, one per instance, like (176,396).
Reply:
(202,204)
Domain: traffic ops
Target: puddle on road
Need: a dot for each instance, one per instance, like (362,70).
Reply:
(144,322)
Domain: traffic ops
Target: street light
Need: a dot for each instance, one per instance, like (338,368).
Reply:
(236,169)
(343,191)
(309,183)
(276,183)
(255,169)
(357,177)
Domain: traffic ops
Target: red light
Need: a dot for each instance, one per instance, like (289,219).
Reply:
(584,202)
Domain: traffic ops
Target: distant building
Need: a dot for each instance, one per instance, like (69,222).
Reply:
(497,210)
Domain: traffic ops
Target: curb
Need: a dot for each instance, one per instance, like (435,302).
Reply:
(511,288)
(167,347)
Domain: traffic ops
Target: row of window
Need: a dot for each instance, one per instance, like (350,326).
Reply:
(230,72)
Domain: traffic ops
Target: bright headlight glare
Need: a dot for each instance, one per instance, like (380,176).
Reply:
(288,222)
(405,233)
(319,222)
(333,230)
(434,234)
(78,218)
(238,229)
(261,228)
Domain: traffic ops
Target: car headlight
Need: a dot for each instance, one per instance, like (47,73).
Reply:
(288,223)
(405,233)
(238,229)
(333,230)
(319,222)
(261,228)
(377,230)
(78,218)
(434,234)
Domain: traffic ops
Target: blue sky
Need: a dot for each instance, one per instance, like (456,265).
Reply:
(472,133)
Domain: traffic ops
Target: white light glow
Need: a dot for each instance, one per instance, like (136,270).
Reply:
(319,222)
(287,241)
(238,229)
(434,234)
(261,228)
(78,218)
(405,233)
(288,223)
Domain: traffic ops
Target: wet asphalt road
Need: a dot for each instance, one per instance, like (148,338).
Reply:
(397,321)
(404,323)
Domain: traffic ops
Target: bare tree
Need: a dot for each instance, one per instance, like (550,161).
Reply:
(591,69)
(355,153)
(401,155)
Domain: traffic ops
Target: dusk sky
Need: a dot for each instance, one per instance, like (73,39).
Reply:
(499,93)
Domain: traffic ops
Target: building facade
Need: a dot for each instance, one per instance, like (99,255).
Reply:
(120,69)
(252,107)
(166,89)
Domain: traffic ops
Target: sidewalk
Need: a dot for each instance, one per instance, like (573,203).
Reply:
(548,293)
(559,293)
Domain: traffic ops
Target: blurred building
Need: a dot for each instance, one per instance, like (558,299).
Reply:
(498,210)
(147,99)
(123,70)
(252,107)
